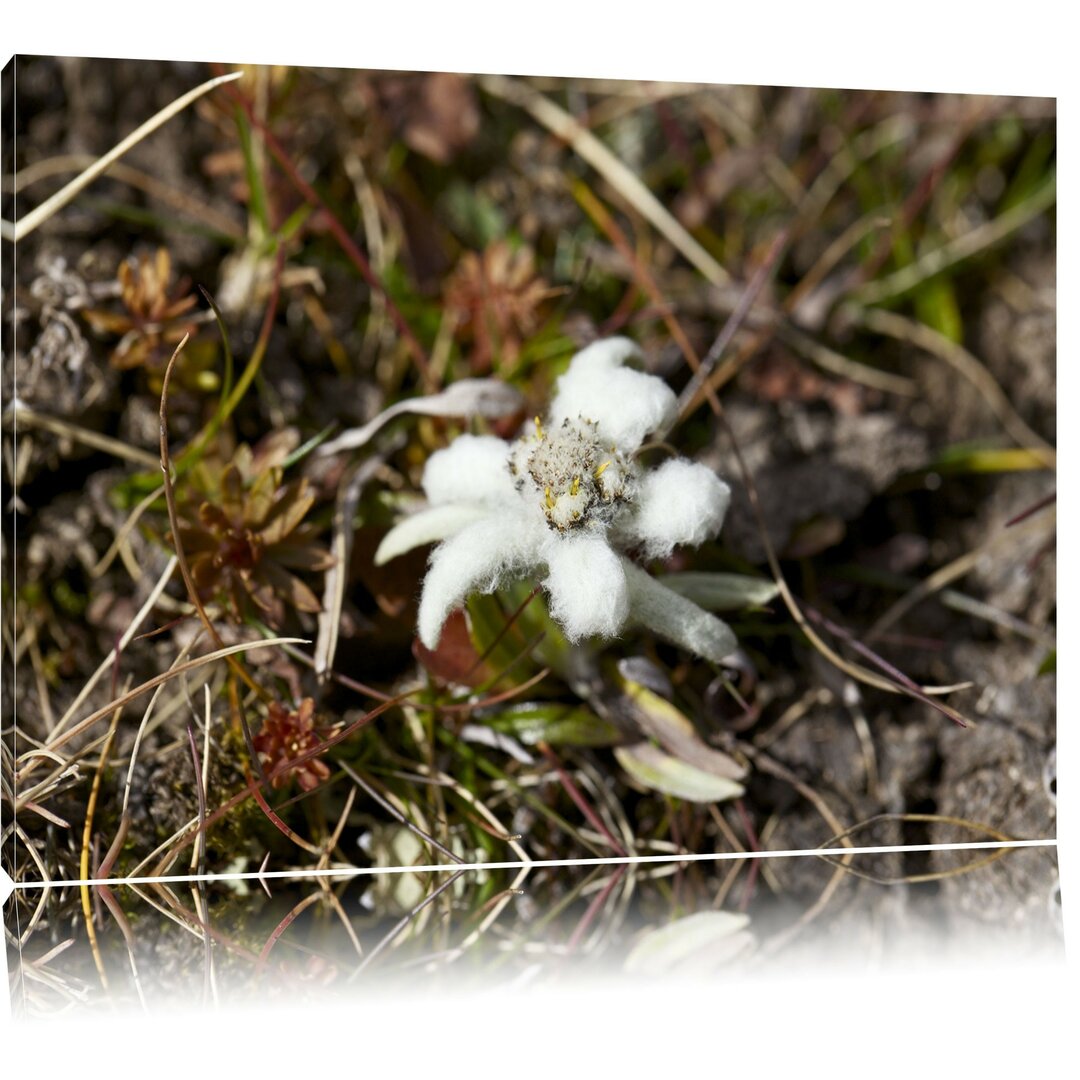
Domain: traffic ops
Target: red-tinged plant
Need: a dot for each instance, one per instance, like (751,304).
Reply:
(286,734)
(496,298)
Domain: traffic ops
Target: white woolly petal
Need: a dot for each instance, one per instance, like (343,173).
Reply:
(586,585)
(675,618)
(472,469)
(477,559)
(627,405)
(425,527)
(682,502)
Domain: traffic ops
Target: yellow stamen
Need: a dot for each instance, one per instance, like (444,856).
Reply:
(549,498)
(600,469)
(539,427)
(574,486)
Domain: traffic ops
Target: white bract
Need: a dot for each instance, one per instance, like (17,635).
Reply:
(565,502)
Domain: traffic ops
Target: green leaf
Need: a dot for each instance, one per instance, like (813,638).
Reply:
(1049,664)
(979,458)
(654,769)
(722,592)
(661,720)
(937,306)
(473,215)
(487,621)
(559,725)
(257,200)
(1032,172)
(488,616)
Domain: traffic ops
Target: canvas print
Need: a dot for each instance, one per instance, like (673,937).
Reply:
(501,527)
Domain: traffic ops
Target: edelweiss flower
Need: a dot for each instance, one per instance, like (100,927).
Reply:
(566,501)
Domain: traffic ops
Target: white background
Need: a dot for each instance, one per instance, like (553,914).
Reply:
(928,1022)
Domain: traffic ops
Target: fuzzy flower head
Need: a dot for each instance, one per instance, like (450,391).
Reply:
(567,501)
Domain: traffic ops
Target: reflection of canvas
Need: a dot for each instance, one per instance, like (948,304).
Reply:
(823,319)
(372,933)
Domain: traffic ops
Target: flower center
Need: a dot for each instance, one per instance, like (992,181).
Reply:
(577,479)
(239,548)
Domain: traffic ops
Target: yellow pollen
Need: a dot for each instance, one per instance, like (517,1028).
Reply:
(574,486)
(549,498)
(539,427)
(600,469)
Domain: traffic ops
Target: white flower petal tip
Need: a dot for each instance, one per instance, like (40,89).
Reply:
(473,468)
(426,527)
(626,405)
(477,559)
(682,502)
(680,621)
(587,586)
(606,355)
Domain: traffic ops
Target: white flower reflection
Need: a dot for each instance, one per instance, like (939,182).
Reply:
(566,501)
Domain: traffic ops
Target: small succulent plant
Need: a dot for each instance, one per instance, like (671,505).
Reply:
(285,735)
(244,532)
(496,298)
(152,322)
